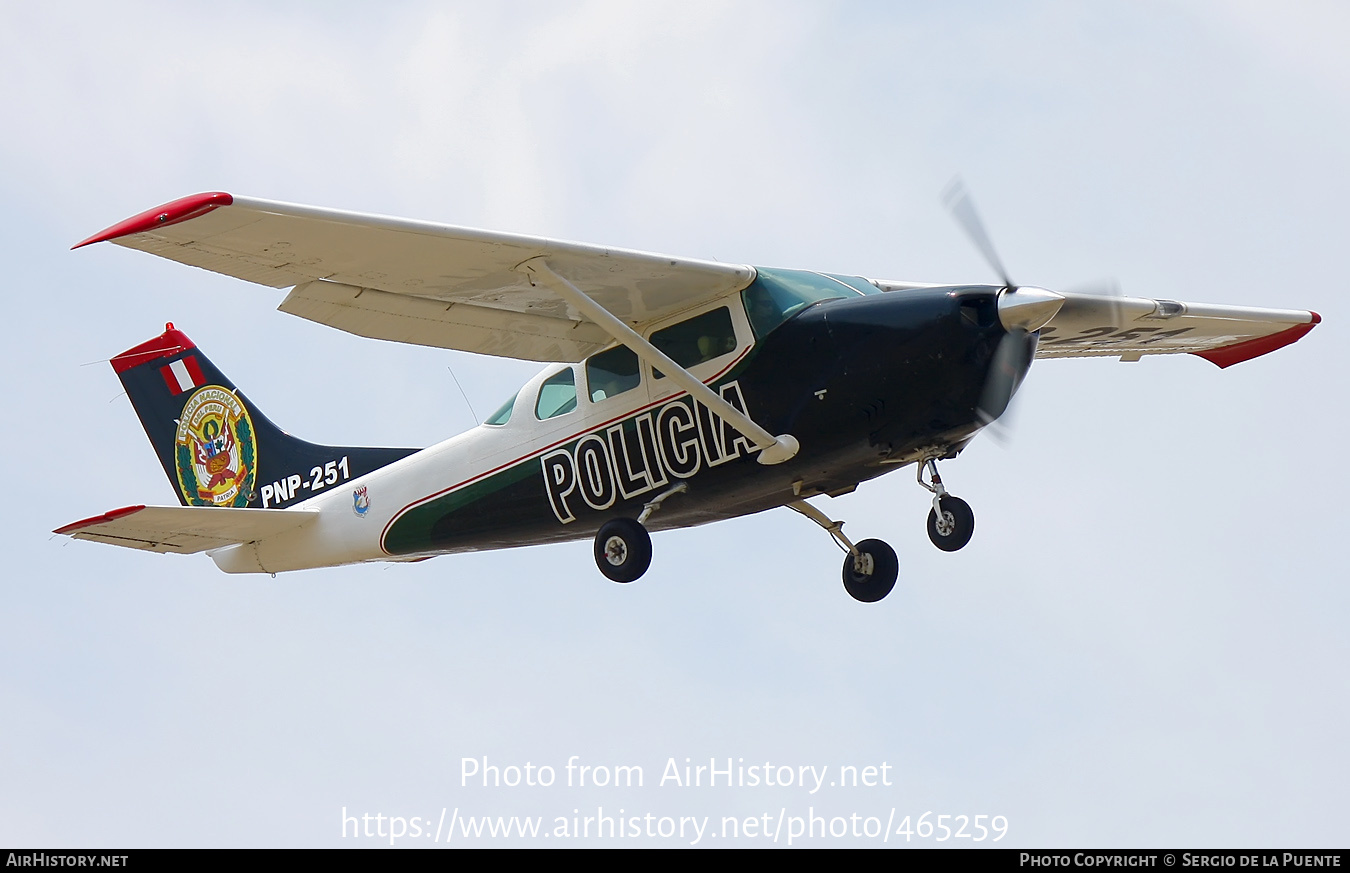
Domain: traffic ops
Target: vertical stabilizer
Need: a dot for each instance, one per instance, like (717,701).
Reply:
(216,447)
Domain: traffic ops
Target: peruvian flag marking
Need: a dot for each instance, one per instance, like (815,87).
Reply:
(182,375)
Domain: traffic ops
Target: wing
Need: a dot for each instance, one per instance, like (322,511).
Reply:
(185,529)
(1131,327)
(419,282)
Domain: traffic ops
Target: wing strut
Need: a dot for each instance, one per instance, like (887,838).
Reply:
(773,449)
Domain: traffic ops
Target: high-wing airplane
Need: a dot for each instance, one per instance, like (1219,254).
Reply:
(687,391)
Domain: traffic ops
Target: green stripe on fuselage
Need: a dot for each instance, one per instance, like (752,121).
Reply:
(512,506)
(414,531)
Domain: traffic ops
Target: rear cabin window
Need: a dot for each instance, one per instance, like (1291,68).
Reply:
(557,396)
(611,373)
(503,414)
(701,338)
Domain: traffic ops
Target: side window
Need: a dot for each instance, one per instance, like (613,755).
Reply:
(503,414)
(701,338)
(611,373)
(557,396)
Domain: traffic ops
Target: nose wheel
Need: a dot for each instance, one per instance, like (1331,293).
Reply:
(951,528)
(951,522)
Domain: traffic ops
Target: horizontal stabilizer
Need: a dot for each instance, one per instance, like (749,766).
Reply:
(185,529)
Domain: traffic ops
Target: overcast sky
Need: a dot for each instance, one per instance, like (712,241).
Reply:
(1143,645)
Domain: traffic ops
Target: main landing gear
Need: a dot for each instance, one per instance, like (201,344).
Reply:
(951,521)
(623,548)
(870,567)
(870,575)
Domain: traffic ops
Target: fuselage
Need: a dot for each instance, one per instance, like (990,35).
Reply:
(866,382)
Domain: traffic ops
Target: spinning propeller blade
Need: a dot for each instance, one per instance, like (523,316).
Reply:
(1011,360)
(962,208)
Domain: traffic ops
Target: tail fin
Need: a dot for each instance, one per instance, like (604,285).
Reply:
(217,448)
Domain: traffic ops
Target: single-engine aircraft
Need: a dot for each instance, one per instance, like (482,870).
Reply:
(686,391)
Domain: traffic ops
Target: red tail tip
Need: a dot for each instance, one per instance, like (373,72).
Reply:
(171,342)
(111,515)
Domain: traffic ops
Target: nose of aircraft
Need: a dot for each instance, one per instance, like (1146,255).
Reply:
(1027,308)
(1022,312)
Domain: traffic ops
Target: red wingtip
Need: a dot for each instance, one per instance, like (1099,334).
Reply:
(111,515)
(1245,351)
(162,216)
(171,342)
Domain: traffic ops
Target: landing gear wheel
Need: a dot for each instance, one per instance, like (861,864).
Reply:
(623,549)
(878,574)
(953,530)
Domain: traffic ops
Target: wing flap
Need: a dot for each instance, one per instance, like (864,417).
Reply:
(1131,327)
(400,318)
(185,529)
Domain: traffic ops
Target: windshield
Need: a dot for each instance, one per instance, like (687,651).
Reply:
(777,295)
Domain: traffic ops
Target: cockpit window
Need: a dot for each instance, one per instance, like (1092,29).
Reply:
(611,373)
(503,415)
(557,396)
(777,295)
(697,339)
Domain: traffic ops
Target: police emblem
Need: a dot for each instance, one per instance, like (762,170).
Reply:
(215,450)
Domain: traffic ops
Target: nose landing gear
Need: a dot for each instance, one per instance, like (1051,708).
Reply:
(951,521)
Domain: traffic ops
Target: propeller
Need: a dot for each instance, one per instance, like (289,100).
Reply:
(1022,311)
(958,202)
(1011,360)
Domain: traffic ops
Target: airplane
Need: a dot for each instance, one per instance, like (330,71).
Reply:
(681,391)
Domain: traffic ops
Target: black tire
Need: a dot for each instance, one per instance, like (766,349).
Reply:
(957,527)
(623,549)
(869,588)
